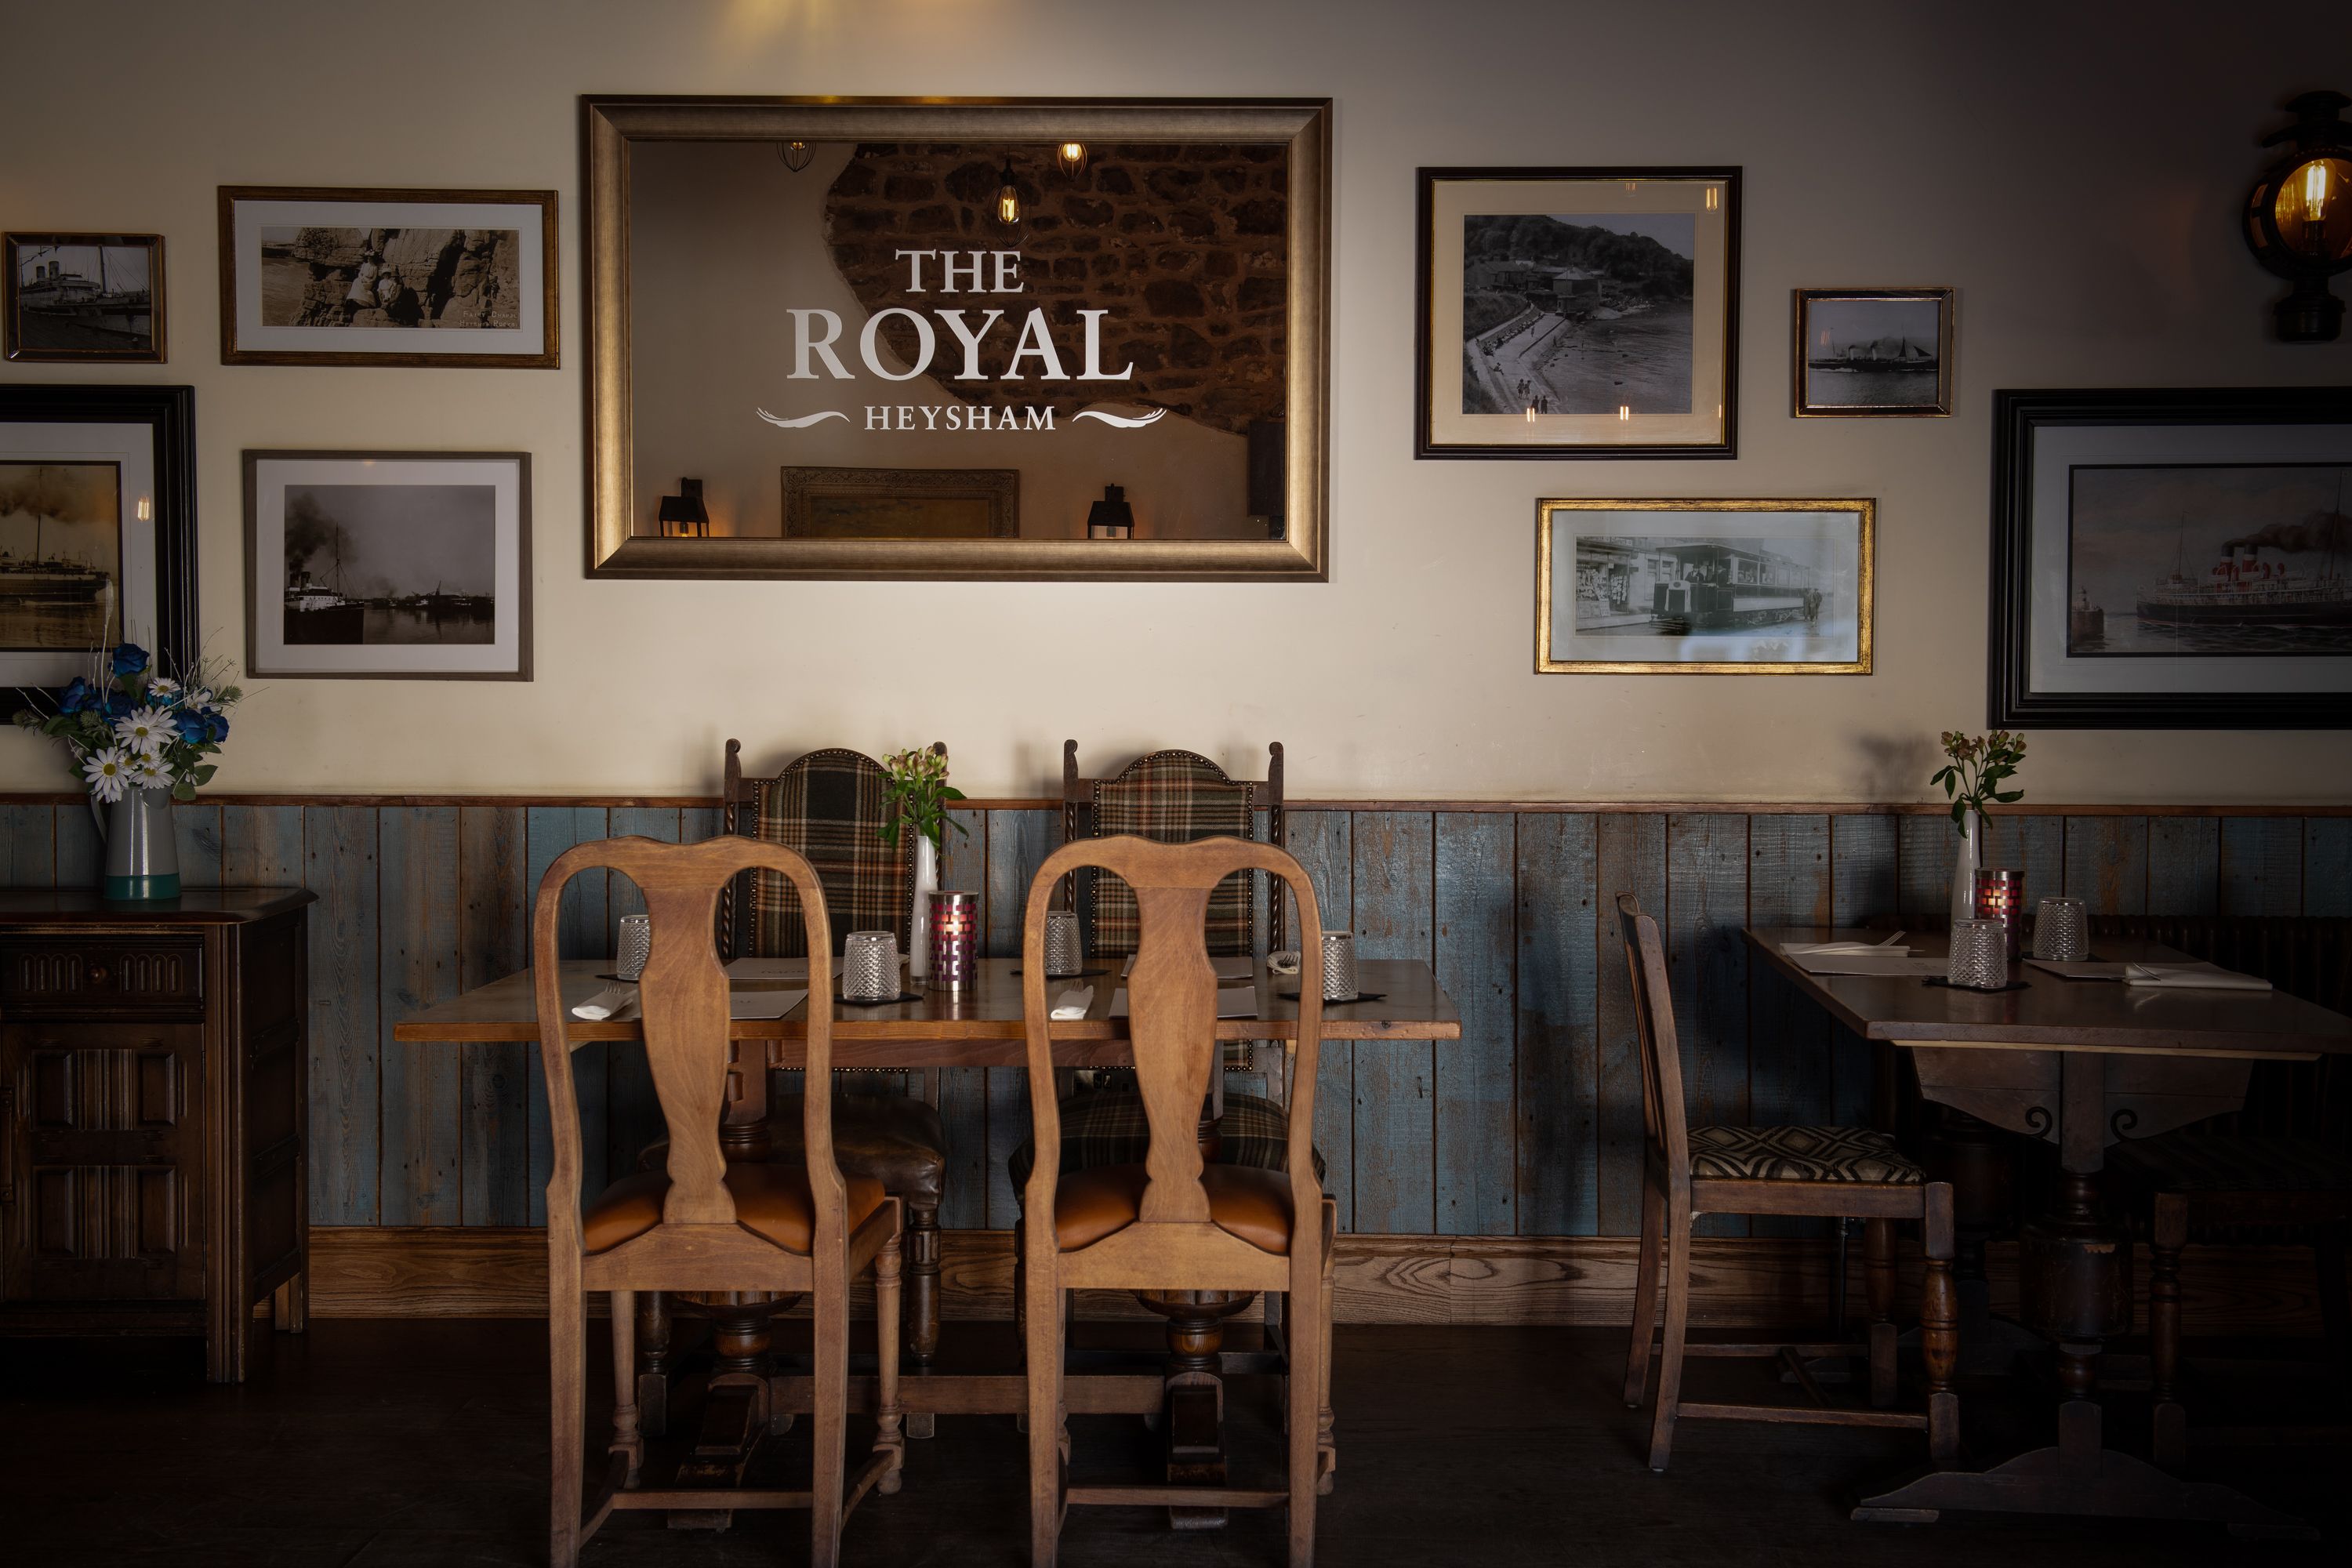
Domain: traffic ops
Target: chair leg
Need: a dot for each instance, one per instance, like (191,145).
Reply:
(1645,1333)
(828,1432)
(920,1243)
(1306,1353)
(1670,1354)
(654,1328)
(627,1441)
(567,1330)
(1042,1336)
(1326,1444)
(1878,1280)
(2335,1309)
(1939,1324)
(2166,1235)
(887,1437)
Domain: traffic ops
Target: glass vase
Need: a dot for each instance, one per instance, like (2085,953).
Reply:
(919,917)
(1966,861)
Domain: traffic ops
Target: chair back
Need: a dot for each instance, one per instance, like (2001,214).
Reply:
(831,806)
(1171,994)
(1174,797)
(683,997)
(1666,1120)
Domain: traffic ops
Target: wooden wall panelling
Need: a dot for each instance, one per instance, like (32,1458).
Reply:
(493,1081)
(1018,843)
(633,1117)
(1863,881)
(1706,964)
(2262,866)
(1631,859)
(2106,863)
(261,847)
(340,867)
(1558,1063)
(963,1091)
(1924,851)
(80,851)
(1476,949)
(1393,873)
(547,832)
(196,832)
(28,845)
(1791,1078)
(417,855)
(2327,866)
(2033,844)
(1323,844)
(2184,857)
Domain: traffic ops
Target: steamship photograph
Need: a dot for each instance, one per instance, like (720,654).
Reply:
(390,564)
(2245,561)
(60,553)
(1577,314)
(87,297)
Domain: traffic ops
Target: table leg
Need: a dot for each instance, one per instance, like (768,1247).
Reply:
(1194,1419)
(737,1409)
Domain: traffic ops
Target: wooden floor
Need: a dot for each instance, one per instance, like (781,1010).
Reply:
(371,1444)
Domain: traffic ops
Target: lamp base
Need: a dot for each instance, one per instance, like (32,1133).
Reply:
(2310,315)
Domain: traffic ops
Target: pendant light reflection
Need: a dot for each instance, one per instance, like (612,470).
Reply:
(1072,157)
(1008,198)
(797,156)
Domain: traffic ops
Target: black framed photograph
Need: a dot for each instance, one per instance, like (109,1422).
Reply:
(2172,559)
(1578,313)
(97,526)
(461,279)
(1872,353)
(388,565)
(83,299)
(1704,587)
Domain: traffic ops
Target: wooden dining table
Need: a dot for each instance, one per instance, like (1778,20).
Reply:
(2079,1065)
(982,1025)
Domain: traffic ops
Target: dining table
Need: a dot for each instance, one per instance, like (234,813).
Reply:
(2078,1064)
(983,1025)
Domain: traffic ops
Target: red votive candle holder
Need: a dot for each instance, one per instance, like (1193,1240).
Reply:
(2000,895)
(955,940)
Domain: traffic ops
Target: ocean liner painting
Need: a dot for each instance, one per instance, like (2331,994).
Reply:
(60,553)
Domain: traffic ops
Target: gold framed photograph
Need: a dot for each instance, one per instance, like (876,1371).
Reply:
(1578,313)
(1704,587)
(1872,353)
(84,298)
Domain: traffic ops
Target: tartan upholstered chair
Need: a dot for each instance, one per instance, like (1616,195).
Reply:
(828,808)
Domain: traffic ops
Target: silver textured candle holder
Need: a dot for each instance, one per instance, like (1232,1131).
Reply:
(1980,955)
(635,944)
(1339,966)
(869,966)
(1065,953)
(2062,931)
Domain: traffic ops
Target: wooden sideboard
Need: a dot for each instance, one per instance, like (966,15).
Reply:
(153,1105)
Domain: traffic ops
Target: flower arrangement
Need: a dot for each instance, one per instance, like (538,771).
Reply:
(1977,765)
(918,793)
(128,725)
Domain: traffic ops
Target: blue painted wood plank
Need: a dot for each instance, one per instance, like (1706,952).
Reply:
(1864,874)
(494,1078)
(261,847)
(417,855)
(2106,863)
(1393,871)
(963,1091)
(1706,960)
(1475,947)
(2262,866)
(1632,859)
(2327,866)
(697,823)
(1557,997)
(2034,845)
(2184,858)
(633,1117)
(28,845)
(1018,843)
(340,866)
(196,835)
(1927,844)
(1791,1078)
(1322,842)
(581,933)
(81,853)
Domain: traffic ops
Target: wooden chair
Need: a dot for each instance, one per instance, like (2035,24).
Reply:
(1173,1228)
(1831,1172)
(700,1224)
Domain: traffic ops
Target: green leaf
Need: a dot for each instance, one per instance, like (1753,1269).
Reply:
(2005,797)
(184,792)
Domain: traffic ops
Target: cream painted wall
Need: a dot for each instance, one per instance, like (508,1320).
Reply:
(2074,169)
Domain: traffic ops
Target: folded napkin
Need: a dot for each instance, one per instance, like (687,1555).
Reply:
(1283,962)
(1073,1003)
(1892,948)
(2191,977)
(606,1004)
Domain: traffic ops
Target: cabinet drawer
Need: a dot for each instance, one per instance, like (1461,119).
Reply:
(70,977)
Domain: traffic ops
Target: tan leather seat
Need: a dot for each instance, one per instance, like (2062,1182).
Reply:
(894,1138)
(1252,1205)
(772,1201)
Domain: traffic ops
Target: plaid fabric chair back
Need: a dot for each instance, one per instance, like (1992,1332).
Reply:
(1174,797)
(828,806)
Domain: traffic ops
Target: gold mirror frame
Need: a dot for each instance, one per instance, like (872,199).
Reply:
(609,124)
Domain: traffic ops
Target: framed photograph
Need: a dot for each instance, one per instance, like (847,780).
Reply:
(462,278)
(1578,313)
(902,504)
(2172,559)
(83,299)
(1872,353)
(1704,587)
(97,488)
(388,565)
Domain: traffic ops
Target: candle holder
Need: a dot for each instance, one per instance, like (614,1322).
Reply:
(1064,954)
(1339,966)
(2000,895)
(1978,961)
(869,966)
(955,942)
(2062,931)
(636,945)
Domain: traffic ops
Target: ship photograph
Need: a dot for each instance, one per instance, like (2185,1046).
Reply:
(1882,353)
(378,564)
(60,553)
(2242,559)
(94,301)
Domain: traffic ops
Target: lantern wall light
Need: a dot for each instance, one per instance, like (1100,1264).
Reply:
(2299,218)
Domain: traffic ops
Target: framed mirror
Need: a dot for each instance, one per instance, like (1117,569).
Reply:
(945,338)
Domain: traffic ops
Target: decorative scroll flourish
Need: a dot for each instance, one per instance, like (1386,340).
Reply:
(2120,1124)
(2037,1121)
(1122,421)
(804,421)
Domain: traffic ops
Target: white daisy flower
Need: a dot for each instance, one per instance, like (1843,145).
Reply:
(144,729)
(162,691)
(202,697)
(147,772)
(107,772)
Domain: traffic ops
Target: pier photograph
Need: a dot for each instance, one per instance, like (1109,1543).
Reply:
(60,555)
(84,297)
(2236,560)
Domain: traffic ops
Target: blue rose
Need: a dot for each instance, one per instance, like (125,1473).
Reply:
(118,705)
(130,659)
(216,726)
(75,697)
(191,725)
